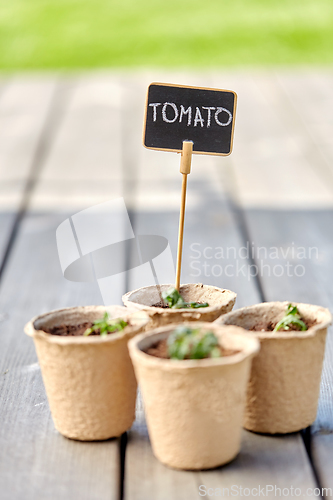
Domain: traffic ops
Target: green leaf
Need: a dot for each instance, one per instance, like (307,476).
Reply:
(175,301)
(192,343)
(88,331)
(215,353)
(292,317)
(106,325)
(173,298)
(196,305)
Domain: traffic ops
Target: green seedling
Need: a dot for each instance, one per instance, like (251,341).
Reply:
(106,325)
(292,317)
(192,343)
(175,301)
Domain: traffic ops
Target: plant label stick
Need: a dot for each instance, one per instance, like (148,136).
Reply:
(185,169)
(188,120)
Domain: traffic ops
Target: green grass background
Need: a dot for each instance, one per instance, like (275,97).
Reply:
(189,33)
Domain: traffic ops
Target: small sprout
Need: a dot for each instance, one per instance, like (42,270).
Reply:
(191,343)
(173,298)
(106,325)
(292,317)
(175,301)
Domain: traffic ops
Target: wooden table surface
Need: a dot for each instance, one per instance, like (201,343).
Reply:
(69,142)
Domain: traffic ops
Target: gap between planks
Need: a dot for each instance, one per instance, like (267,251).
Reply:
(49,128)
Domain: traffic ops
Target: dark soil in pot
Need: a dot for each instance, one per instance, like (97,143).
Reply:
(166,306)
(65,330)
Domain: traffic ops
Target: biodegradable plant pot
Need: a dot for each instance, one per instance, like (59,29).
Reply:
(220,302)
(285,378)
(194,408)
(89,381)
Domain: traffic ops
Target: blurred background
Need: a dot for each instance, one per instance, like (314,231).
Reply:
(49,34)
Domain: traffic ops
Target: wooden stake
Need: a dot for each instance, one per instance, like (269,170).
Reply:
(185,169)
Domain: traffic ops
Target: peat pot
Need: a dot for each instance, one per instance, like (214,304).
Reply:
(194,408)
(89,381)
(285,378)
(220,302)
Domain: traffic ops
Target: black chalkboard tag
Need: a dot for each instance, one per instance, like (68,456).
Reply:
(177,113)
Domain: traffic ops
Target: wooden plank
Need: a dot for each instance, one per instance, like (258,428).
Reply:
(209,222)
(270,161)
(307,232)
(309,94)
(84,166)
(322,445)
(268,463)
(264,462)
(145,477)
(38,462)
(25,103)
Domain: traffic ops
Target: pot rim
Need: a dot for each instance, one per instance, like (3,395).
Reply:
(311,332)
(249,350)
(140,316)
(233,296)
